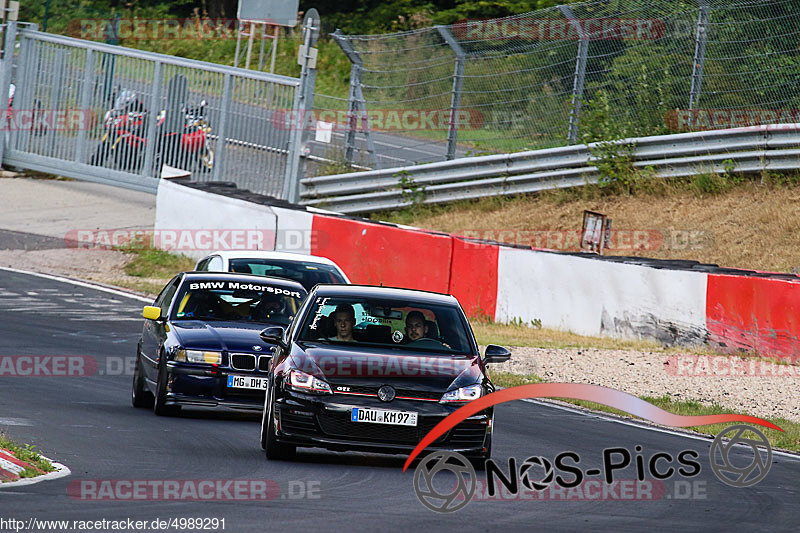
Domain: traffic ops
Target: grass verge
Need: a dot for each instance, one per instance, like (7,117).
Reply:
(789,439)
(27,453)
(153,263)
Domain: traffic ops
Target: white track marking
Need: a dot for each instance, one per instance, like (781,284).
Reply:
(80,284)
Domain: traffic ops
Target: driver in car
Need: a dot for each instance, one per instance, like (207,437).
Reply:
(344,318)
(416,328)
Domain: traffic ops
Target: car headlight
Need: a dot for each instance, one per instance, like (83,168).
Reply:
(198,356)
(463,395)
(303,382)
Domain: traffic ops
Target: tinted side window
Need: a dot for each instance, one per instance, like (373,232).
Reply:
(203,265)
(165,298)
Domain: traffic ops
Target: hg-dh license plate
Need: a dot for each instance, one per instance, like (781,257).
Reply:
(247,382)
(383,416)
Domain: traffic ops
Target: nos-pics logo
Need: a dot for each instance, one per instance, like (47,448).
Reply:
(449,495)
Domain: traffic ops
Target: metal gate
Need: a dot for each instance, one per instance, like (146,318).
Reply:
(61,121)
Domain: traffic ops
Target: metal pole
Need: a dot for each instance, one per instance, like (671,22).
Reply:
(5,71)
(263,45)
(304,104)
(152,120)
(219,154)
(238,43)
(356,105)
(250,38)
(352,114)
(274,49)
(580,76)
(699,57)
(86,101)
(455,98)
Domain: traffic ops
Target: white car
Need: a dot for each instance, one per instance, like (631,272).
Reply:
(308,270)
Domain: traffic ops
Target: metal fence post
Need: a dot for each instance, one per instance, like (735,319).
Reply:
(304,105)
(699,56)
(155,108)
(219,154)
(86,99)
(352,111)
(580,76)
(5,72)
(458,81)
(353,104)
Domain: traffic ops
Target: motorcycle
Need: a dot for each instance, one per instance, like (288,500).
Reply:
(125,138)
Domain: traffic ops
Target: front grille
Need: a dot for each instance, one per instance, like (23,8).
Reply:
(341,426)
(297,423)
(403,393)
(243,361)
(263,362)
(468,435)
(419,394)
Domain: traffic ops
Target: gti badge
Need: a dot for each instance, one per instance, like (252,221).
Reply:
(257,348)
(386,393)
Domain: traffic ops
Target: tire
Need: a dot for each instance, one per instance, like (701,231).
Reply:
(161,392)
(140,396)
(274,450)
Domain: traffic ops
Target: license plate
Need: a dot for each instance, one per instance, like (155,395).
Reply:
(247,382)
(383,416)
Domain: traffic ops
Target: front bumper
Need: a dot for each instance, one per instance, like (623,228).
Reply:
(324,422)
(201,386)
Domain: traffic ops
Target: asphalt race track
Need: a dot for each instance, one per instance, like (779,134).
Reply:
(87,423)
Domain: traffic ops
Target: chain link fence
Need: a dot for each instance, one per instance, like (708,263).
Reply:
(569,74)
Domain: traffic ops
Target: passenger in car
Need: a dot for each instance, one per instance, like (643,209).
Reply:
(344,318)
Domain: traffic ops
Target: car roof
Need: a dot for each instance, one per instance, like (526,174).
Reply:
(271,254)
(373,291)
(236,276)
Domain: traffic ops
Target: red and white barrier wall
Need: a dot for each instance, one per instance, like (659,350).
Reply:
(662,300)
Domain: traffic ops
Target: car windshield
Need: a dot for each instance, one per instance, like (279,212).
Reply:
(401,324)
(306,273)
(236,300)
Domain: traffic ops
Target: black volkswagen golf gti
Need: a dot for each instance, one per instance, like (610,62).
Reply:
(200,343)
(374,369)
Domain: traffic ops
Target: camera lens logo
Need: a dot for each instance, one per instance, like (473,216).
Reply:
(461,493)
(728,469)
(544,464)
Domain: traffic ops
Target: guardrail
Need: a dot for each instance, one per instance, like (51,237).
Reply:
(750,149)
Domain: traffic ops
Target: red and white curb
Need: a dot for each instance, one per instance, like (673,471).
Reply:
(11,467)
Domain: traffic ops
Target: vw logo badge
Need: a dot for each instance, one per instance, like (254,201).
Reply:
(257,348)
(386,393)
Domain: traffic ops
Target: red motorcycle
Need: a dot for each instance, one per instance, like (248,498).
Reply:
(125,138)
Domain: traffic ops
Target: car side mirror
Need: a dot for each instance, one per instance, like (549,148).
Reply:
(273,334)
(496,354)
(151,312)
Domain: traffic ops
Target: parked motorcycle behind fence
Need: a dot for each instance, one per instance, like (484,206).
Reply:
(125,138)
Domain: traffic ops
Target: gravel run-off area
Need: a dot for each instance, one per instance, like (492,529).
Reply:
(755,386)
